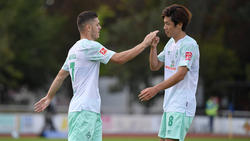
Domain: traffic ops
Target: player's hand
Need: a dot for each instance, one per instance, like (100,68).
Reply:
(42,104)
(148,93)
(149,38)
(155,42)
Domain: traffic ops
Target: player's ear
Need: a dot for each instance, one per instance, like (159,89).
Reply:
(87,28)
(179,25)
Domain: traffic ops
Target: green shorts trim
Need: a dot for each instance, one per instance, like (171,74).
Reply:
(84,126)
(174,125)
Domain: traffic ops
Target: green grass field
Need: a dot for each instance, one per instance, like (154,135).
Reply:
(128,139)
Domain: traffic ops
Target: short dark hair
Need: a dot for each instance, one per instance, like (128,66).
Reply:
(84,17)
(178,14)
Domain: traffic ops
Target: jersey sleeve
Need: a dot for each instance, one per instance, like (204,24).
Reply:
(188,55)
(65,65)
(161,56)
(97,52)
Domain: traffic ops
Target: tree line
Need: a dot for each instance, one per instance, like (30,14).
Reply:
(36,35)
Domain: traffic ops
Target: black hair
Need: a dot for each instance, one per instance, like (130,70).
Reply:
(84,17)
(178,14)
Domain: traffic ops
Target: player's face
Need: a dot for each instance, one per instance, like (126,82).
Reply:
(95,29)
(169,27)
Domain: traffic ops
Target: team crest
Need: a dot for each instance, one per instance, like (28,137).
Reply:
(88,135)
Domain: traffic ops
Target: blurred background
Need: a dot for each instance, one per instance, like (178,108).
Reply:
(35,36)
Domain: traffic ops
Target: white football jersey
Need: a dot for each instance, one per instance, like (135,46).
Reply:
(83,63)
(181,96)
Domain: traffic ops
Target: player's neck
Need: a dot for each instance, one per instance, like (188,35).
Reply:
(86,36)
(179,36)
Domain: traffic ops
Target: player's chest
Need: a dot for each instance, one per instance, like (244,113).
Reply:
(172,55)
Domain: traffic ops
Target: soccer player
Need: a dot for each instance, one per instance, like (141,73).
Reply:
(180,58)
(82,64)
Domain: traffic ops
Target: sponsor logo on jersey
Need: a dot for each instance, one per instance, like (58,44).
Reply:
(103,51)
(170,68)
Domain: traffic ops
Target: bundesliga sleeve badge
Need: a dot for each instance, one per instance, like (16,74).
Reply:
(188,56)
(103,51)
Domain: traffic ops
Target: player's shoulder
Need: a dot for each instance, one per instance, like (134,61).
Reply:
(170,42)
(189,41)
(89,43)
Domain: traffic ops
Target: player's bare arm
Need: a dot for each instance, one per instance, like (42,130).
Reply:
(57,83)
(150,92)
(154,63)
(127,55)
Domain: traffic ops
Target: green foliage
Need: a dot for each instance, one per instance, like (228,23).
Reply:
(217,63)
(104,12)
(125,33)
(34,39)
(6,56)
(26,44)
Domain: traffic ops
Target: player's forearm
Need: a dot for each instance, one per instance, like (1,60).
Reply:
(177,77)
(57,83)
(153,60)
(128,55)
